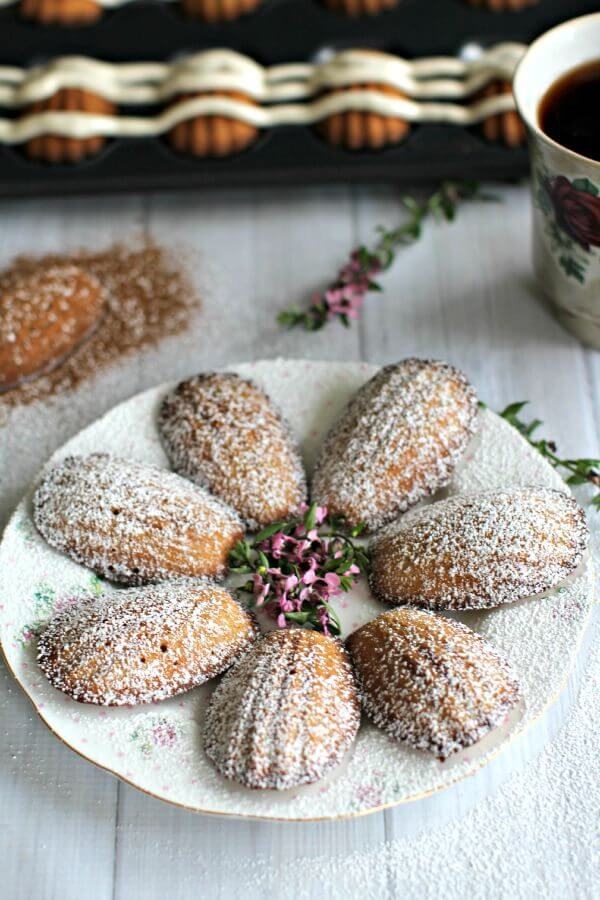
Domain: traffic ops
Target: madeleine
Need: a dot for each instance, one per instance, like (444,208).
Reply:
(286,714)
(430,682)
(398,440)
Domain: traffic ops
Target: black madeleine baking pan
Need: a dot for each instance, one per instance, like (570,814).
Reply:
(277,32)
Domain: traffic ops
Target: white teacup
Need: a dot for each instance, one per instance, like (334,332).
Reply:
(565,185)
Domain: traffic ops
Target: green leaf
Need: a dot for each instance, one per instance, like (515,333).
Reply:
(269,531)
(513,409)
(585,185)
(577,479)
(310,519)
(301,618)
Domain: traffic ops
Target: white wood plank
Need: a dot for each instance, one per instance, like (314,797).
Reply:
(57,813)
(252,255)
(464,293)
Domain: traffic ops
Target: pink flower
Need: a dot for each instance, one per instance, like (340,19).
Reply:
(281,621)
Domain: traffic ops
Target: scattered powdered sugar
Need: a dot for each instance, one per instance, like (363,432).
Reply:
(429,681)
(539,638)
(224,433)
(479,550)
(144,644)
(286,714)
(131,522)
(398,441)
(148,297)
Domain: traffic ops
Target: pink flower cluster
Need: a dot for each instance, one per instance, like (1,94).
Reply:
(347,294)
(305,575)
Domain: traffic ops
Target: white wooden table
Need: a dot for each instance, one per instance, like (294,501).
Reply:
(521,828)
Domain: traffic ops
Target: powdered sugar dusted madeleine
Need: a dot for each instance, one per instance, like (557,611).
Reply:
(398,440)
(45,314)
(285,714)
(429,681)
(144,644)
(131,522)
(222,431)
(479,550)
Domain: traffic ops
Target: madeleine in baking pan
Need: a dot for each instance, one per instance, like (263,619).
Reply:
(213,135)
(61,12)
(218,10)
(506,128)
(54,148)
(356,8)
(503,5)
(362,130)
(397,441)
(430,682)
(285,714)
(479,550)
(131,522)
(144,644)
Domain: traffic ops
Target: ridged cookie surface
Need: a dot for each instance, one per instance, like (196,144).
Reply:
(479,550)
(222,431)
(131,522)
(145,643)
(398,440)
(284,715)
(430,682)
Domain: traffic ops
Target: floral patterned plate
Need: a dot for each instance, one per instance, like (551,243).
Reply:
(158,748)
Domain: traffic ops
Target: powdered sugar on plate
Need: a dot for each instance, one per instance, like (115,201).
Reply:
(158,748)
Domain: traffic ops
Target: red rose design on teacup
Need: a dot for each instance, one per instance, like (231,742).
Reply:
(577,211)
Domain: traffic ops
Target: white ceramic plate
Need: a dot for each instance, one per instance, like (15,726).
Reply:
(157,748)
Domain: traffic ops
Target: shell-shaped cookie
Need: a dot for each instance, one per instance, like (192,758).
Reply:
(45,314)
(285,714)
(397,441)
(133,523)
(144,644)
(479,550)
(503,5)
(360,7)
(54,148)
(213,135)
(61,12)
(430,682)
(222,431)
(218,10)
(506,128)
(360,130)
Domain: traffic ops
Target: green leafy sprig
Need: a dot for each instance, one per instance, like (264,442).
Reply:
(577,471)
(344,297)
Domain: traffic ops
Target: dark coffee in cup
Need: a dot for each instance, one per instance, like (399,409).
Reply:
(569,111)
